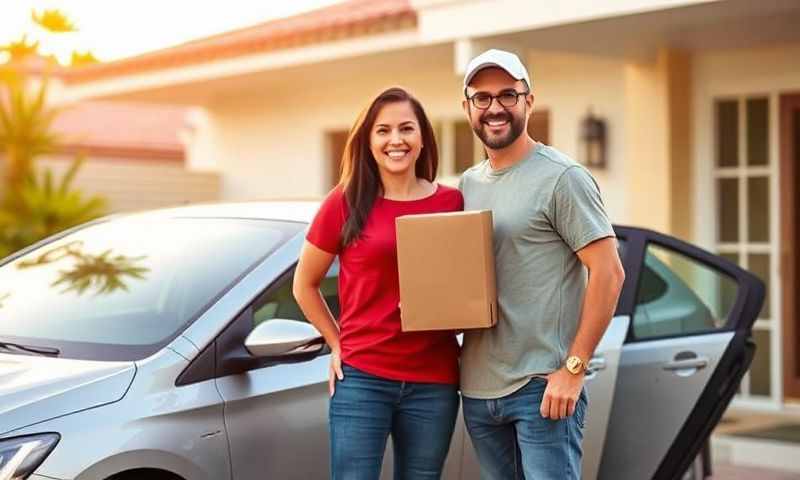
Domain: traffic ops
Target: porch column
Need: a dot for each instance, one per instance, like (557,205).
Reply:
(658,143)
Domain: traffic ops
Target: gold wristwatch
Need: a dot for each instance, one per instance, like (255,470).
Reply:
(575,365)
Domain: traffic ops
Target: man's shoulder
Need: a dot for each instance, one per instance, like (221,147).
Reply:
(555,160)
(545,167)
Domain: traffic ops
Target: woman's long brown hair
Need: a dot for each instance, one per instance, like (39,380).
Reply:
(360,179)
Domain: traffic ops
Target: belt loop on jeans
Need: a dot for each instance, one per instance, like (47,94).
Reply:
(402,390)
(493,405)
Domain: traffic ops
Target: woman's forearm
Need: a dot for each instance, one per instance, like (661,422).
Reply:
(313,305)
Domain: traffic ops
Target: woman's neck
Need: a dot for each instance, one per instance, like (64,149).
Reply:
(403,187)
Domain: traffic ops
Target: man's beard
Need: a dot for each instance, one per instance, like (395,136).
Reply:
(497,142)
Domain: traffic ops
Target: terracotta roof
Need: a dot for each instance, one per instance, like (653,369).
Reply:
(35,65)
(116,129)
(349,19)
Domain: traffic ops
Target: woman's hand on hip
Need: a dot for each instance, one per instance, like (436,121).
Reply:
(335,371)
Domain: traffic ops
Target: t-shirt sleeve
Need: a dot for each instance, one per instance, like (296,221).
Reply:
(577,210)
(462,186)
(325,231)
(459,201)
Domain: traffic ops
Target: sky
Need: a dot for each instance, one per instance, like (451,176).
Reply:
(113,29)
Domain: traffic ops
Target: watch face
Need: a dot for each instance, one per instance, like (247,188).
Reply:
(573,363)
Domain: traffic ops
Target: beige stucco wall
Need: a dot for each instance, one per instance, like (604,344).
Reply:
(561,87)
(269,140)
(645,144)
(657,142)
(131,185)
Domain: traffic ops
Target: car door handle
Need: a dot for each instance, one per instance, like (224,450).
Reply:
(691,363)
(596,364)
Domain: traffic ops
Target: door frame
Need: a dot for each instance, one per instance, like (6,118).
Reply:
(789,206)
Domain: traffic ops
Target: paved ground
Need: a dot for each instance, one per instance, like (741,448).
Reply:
(733,448)
(728,472)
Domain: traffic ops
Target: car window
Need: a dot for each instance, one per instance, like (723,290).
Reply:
(279,302)
(622,247)
(121,289)
(677,295)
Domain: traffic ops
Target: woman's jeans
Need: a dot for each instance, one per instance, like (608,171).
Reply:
(366,409)
(513,441)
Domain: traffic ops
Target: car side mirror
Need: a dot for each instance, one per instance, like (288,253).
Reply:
(281,338)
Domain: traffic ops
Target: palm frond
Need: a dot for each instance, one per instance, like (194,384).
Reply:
(20,49)
(69,177)
(53,21)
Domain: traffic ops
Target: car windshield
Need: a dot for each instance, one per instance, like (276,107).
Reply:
(121,289)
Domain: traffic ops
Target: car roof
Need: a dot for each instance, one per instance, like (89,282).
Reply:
(296,211)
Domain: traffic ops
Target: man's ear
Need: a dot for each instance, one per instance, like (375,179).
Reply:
(465,106)
(529,100)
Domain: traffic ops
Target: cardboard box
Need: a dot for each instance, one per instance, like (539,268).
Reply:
(447,277)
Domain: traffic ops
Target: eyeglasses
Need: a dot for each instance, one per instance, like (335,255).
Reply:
(508,98)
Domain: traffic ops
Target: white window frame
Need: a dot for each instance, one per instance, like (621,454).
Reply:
(742,172)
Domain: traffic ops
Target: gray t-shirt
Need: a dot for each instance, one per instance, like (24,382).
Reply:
(545,208)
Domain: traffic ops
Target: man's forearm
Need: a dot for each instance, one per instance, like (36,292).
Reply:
(599,303)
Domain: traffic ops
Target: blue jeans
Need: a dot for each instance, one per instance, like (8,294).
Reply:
(366,409)
(513,440)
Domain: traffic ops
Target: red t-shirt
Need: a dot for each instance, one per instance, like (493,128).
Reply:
(369,291)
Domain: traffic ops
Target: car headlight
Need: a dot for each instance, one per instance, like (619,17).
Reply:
(21,456)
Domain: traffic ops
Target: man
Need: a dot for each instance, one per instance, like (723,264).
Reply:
(522,381)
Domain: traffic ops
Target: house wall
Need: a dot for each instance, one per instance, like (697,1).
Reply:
(270,140)
(560,86)
(130,185)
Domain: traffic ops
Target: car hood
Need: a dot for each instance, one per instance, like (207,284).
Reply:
(35,389)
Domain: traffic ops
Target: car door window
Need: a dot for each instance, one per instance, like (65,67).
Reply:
(279,302)
(679,296)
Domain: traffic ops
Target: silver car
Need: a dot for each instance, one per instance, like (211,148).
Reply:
(167,345)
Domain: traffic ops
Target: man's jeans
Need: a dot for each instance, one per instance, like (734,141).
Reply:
(513,441)
(366,409)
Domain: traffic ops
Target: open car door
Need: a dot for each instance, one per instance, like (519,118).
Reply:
(687,347)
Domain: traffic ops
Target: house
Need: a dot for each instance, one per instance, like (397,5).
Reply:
(134,154)
(700,100)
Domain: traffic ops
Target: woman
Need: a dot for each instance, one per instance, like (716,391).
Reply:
(382,381)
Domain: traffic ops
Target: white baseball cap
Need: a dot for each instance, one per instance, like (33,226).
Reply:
(500,59)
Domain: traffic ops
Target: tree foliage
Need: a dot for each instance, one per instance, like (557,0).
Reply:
(54,21)
(35,203)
